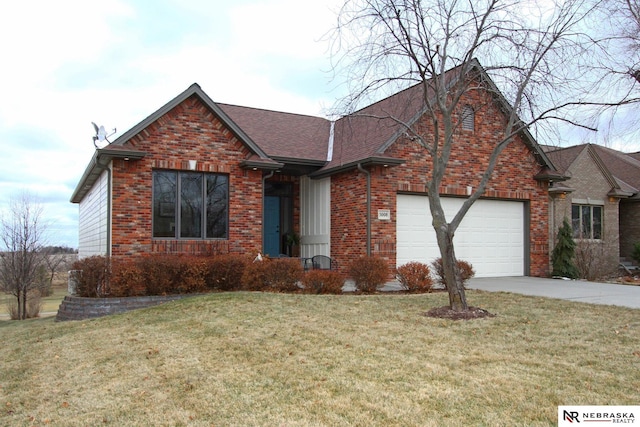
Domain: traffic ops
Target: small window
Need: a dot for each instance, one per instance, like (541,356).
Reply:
(190,205)
(586,221)
(468,118)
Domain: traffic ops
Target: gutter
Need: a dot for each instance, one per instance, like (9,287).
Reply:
(368,174)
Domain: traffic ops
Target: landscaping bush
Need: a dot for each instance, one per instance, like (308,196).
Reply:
(563,255)
(162,273)
(415,277)
(279,275)
(193,275)
(465,270)
(635,254)
(34,306)
(322,282)
(93,282)
(369,273)
(225,271)
(127,279)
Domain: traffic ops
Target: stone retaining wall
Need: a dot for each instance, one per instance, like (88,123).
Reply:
(79,308)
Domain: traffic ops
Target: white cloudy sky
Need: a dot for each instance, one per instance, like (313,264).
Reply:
(72,62)
(68,63)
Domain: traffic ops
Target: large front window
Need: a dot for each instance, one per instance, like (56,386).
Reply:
(190,205)
(586,221)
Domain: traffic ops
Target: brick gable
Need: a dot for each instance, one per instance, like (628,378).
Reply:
(512,179)
(190,131)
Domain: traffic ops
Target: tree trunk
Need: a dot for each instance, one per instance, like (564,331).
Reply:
(457,296)
(24,304)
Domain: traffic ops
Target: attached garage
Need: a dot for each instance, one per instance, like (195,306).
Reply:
(491,236)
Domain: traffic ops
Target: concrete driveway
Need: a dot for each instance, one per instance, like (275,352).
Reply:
(573,290)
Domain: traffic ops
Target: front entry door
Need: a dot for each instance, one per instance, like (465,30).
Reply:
(272,226)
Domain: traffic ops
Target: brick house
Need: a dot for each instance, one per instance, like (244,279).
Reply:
(202,177)
(601,199)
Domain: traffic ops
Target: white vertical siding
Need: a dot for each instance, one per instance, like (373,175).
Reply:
(315,216)
(92,239)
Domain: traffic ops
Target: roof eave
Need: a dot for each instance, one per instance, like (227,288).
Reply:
(261,164)
(369,161)
(550,175)
(100,160)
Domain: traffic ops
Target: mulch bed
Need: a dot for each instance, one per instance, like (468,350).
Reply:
(470,314)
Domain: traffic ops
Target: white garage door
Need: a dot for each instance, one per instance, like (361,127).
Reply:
(490,237)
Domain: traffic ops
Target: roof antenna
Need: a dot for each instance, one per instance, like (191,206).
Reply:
(101,135)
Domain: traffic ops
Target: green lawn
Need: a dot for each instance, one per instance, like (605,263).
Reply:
(253,359)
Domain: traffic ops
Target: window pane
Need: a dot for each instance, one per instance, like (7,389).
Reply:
(164,204)
(217,206)
(190,205)
(575,221)
(586,222)
(597,222)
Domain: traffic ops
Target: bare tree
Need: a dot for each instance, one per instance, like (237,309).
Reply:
(22,235)
(536,53)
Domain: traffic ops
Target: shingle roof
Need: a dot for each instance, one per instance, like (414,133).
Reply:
(367,132)
(283,135)
(310,143)
(624,168)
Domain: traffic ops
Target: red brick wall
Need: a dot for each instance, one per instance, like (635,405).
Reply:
(187,132)
(512,179)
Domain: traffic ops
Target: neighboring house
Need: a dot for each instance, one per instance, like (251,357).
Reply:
(201,177)
(601,199)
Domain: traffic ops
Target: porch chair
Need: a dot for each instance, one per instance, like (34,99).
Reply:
(322,262)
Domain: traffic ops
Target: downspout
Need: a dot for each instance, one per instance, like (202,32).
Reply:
(108,238)
(368,174)
(264,180)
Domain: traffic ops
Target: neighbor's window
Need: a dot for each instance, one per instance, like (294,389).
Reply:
(586,221)
(468,118)
(190,205)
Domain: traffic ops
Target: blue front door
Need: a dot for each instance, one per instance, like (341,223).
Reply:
(272,226)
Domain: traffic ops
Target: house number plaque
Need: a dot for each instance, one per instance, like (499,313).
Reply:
(384,214)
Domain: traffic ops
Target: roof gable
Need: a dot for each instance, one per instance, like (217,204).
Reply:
(192,90)
(369,132)
(621,170)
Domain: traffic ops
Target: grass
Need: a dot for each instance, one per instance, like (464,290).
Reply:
(253,359)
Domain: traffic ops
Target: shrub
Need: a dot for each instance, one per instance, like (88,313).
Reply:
(127,279)
(322,282)
(284,274)
(225,271)
(415,277)
(369,273)
(253,277)
(593,260)
(34,306)
(562,257)
(465,270)
(161,273)
(193,271)
(279,274)
(635,254)
(93,282)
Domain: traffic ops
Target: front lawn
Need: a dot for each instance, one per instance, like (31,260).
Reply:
(319,360)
